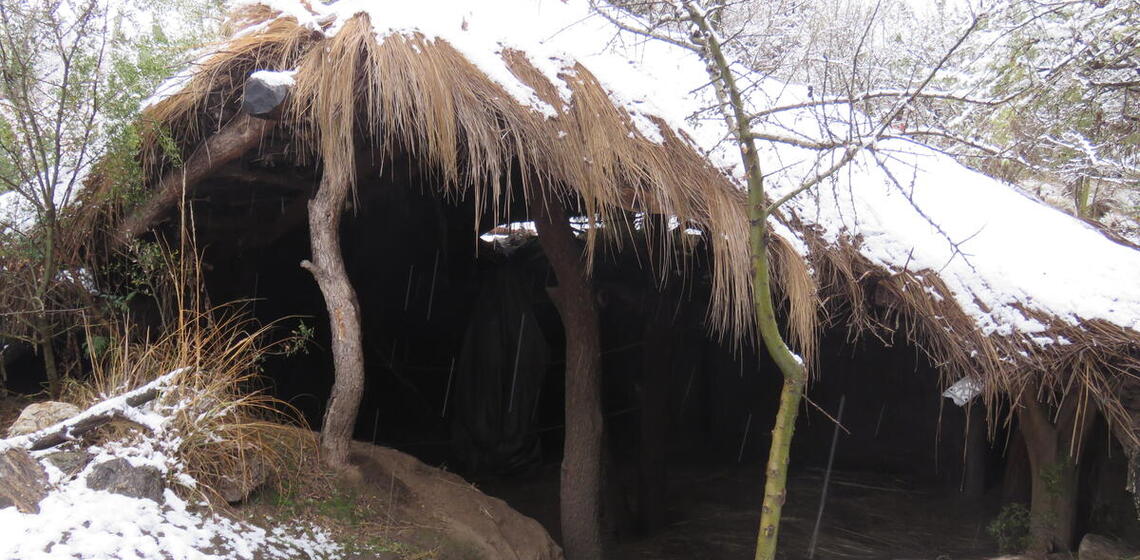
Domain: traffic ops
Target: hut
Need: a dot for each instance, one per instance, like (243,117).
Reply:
(399,132)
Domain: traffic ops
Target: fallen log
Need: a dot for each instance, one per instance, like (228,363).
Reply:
(97,415)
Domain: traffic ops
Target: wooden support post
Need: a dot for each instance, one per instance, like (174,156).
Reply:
(580,489)
(327,267)
(1053,468)
(658,358)
(975,480)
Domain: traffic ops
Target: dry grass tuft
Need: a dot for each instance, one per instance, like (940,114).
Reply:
(222,422)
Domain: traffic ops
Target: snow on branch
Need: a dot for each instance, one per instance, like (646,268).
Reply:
(99,414)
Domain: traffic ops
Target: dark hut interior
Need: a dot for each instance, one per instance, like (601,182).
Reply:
(464,359)
(464,356)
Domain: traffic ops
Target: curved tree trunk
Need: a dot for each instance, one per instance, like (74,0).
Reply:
(580,488)
(327,267)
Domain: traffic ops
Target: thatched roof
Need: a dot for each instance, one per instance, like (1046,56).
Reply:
(990,283)
(469,108)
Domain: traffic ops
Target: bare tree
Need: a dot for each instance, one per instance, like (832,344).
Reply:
(52,56)
(73,75)
(698,26)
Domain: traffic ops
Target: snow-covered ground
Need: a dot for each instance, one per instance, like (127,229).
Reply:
(75,521)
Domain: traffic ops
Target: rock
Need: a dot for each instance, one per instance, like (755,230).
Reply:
(119,476)
(70,462)
(23,482)
(237,488)
(1099,547)
(38,416)
(448,514)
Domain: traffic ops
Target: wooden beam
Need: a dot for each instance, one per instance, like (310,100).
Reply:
(92,418)
(228,144)
(237,137)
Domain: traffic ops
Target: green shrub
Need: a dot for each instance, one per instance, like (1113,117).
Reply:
(1011,528)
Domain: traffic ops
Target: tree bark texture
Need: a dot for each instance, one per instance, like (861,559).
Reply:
(327,267)
(791,368)
(580,489)
(1053,470)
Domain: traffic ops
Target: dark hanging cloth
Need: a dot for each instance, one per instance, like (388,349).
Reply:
(499,374)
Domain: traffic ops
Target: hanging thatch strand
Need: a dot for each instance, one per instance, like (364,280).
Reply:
(409,94)
(403,93)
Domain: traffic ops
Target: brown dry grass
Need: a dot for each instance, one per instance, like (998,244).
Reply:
(222,421)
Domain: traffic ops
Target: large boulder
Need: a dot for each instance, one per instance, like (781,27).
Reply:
(237,487)
(119,476)
(446,513)
(1098,547)
(23,482)
(38,416)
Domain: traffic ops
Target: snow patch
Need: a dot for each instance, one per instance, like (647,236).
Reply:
(274,78)
(75,521)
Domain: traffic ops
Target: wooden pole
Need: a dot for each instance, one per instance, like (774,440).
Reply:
(826,478)
(327,267)
(580,488)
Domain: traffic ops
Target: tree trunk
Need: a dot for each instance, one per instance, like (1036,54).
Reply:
(975,486)
(580,489)
(1053,470)
(791,367)
(46,339)
(45,332)
(327,267)
(1053,508)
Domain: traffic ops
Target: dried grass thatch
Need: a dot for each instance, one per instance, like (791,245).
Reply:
(404,94)
(1098,365)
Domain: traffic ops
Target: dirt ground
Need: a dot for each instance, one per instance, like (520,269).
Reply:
(714,514)
(391,506)
(400,508)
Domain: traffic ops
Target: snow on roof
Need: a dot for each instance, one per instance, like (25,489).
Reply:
(999,252)
(1003,256)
